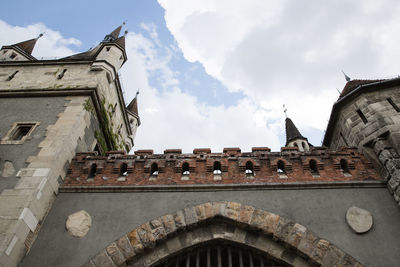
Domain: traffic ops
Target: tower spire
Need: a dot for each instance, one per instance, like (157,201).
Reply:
(28,45)
(114,34)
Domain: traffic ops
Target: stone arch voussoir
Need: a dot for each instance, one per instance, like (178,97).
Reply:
(283,239)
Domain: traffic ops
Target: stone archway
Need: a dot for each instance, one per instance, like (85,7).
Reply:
(275,237)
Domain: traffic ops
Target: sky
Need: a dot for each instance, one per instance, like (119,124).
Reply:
(216,73)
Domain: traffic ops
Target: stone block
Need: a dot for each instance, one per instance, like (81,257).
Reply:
(296,235)
(169,224)
(209,210)
(269,246)
(384,156)
(135,241)
(146,235)
(219,208)
(349,261)
(190,216)
(307,243)
(200,212)
(270,222)
(333,256)
(103,260)
(320,249)
(246,213)
(232,210)
(283,228)
(257,220)
(115,254)
(392,184)
(159,234)
(179,218)
(125,247)
(174,245)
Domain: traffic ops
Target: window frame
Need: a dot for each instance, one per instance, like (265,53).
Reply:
(8,138)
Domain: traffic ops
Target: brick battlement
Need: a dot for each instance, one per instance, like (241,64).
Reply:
(261,166)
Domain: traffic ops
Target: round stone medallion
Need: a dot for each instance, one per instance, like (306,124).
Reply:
(78,224)
(359,220)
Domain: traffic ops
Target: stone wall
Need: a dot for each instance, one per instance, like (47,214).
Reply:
(377,135)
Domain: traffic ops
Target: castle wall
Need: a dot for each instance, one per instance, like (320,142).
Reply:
(322,211)
(377,135)
(13,157)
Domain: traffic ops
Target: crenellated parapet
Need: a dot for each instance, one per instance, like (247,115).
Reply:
(232,166)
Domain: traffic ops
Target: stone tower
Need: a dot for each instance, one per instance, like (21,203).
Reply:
(367,116)
(52,109)
(294,137)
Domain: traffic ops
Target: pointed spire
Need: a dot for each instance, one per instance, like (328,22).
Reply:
(121,40)
(291,131)
(114,34)
(133,107)
(27,46)
(348,79)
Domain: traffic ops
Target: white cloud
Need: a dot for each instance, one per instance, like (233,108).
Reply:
(289,51)
(51,45)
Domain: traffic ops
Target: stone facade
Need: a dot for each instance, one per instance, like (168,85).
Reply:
(52,109)
(369,118)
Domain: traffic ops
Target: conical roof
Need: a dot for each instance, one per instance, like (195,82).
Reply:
(133,107)
(291,131)
(121,41)
(353,84)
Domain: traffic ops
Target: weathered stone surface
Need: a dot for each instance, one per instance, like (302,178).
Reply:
(246,213)
(159,233)
(179,220)
(156,223)
(320,250)
(219,208)
(125,247)
(135,241)
(115,254)
(296,234)
(359,220)
(283,229)
(8,169)
(200,212)
(349,261)
(270,222)
(307,243)
(190,216)
(258,218)
(169,224)
(209,210)
(333,256)
(232,210)
(146,236)
(103,260)
(78,224)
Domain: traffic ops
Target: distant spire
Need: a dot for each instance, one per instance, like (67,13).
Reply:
(284,110)
(133,107)
(291,131)
(346,77)
(28,45)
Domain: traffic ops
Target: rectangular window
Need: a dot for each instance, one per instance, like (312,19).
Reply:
(364,119)
(19,132)
(393,104)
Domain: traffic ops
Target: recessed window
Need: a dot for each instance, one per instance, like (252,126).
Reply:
(281,169)
(249,168)
(61,75)
(108,48)
(185,169)
(154,169)
(314,168)
(217,168)
(13,55)
(92,171)
(393,104)
(19,132)
(362,116)
(12,75)
(345,167)
(123,170)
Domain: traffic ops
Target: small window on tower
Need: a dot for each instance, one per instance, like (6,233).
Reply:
(395,107)
(108,48)
(13,55)
(19,132)
(362,116)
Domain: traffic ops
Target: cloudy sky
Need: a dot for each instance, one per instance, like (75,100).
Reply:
(216,73)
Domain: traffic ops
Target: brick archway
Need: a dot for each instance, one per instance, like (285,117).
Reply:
(280,238)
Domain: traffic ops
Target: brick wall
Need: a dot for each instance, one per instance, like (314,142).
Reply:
(233,167)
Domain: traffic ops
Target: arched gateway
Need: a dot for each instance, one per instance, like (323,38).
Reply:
(221,234)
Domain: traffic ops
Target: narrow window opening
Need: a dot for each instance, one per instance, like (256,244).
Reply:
(123,170)
(97,149)
(120,58)
(313,168)
(21,131)
(345,167)
(61,75)
(217,167)
(249,168)
(185,169)
(362,116)
(13,55)
(108,48)
(393,104)
(5,51)
(295,144)
(93,170)
(12,75)
(154,169)
(304,145)
(281,168)
(109,78)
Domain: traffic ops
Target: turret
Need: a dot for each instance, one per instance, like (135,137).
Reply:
(133,116)
(294,137)
(20,51)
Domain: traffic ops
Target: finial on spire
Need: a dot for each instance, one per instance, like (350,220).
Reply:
(346,77)
(40,35)
(284,110)
(137,92)
(126,32)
